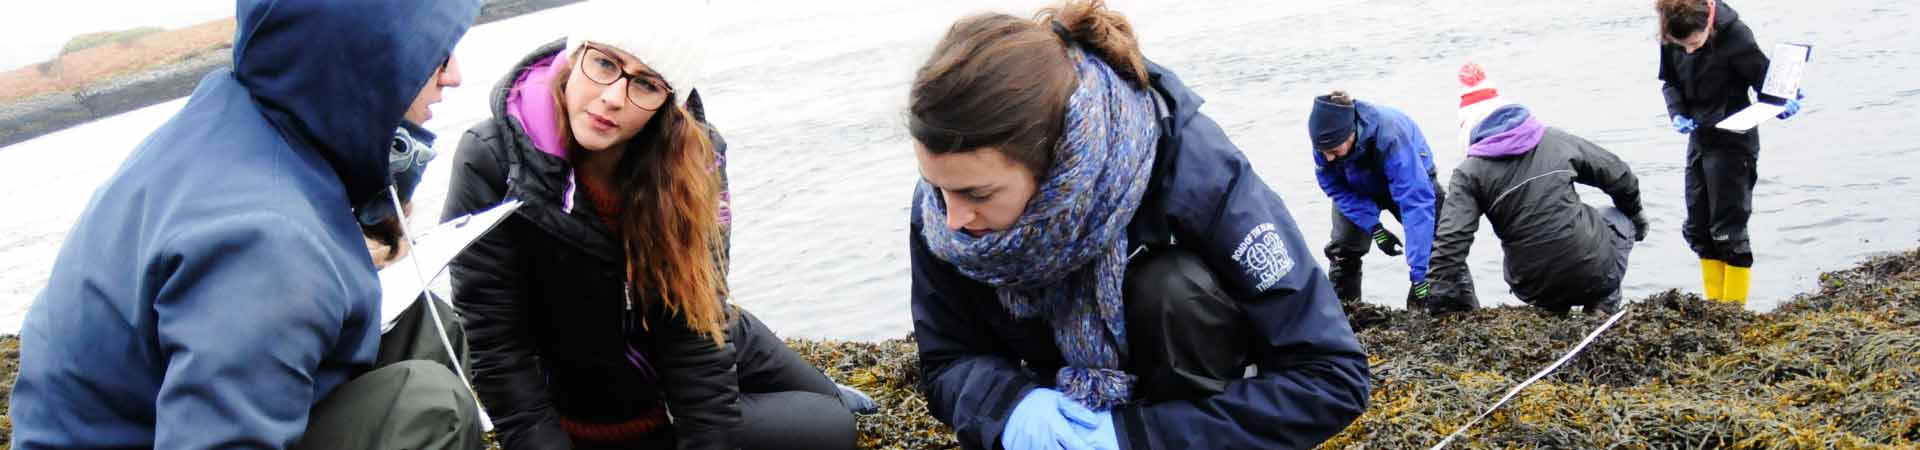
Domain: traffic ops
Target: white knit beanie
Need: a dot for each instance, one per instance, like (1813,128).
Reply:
(1478,98)
(669,36)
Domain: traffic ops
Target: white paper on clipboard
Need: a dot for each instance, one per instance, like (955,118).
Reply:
(400,282)
(1787,64)
(1751,117)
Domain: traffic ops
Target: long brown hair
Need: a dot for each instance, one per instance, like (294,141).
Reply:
(1001,81)
(669,221)
(1682,18)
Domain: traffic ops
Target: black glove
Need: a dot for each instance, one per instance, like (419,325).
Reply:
(1639,227)
(1417,296)
(1387,242)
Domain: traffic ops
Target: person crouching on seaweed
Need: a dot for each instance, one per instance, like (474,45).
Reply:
(1095,265)
(596,312)
(217,292)
(1369,157)
(1520,173)
(1708,61)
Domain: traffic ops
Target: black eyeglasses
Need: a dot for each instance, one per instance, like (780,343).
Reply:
(646,91)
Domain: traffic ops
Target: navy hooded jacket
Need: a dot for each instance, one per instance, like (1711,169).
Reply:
(1390,164)
(977,361)
(218,285)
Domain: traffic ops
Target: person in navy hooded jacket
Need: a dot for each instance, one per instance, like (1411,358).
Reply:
(1095,265)
(217,292)
(1368,158)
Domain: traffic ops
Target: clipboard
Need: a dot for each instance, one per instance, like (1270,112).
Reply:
(1784,71)
(401,284)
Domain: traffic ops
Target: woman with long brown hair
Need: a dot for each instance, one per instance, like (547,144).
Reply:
(596,313)
(1096,266)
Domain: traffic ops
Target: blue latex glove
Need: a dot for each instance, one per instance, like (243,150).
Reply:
(1103,436)
(1684,124)
(1046,420)
(1793,107)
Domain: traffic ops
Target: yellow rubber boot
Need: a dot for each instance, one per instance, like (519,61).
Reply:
(1736,288)
(1713,275)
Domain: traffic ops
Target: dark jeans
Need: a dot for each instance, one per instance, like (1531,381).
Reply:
(1186,337)
(785,403)
(411,400)
(1719,201)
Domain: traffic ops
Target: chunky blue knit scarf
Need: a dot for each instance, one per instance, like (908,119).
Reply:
(1064,259)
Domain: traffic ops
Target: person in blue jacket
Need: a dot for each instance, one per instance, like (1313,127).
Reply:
(217,292)
(1096,266)
(1369,157)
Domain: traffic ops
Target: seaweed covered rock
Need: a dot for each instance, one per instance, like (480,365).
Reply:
(9,366)
(890,372)
(1839,369)
(1835,369)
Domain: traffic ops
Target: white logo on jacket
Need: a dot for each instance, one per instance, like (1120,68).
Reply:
(1264,256)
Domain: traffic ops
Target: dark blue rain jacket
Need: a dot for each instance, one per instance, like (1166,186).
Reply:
(1390,166)
(1206,198)
(218,285)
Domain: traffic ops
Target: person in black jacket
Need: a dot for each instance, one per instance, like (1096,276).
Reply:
(1708,62)
(595,312)
(1520,174)
(1095,265)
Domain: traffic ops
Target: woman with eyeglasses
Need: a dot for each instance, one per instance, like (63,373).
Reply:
(596,313)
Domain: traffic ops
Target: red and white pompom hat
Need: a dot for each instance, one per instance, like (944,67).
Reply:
(1478,98)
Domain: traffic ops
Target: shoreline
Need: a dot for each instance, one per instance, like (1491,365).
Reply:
(38,115)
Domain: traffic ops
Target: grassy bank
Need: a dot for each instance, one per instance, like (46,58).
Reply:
(1835,369)
(96,58)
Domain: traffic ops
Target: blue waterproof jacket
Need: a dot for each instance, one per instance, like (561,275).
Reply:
(1204,197)
(218,285)
(1390,166)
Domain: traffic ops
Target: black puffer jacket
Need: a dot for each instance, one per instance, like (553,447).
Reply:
(1712,82)
(542,296)
(1555,245)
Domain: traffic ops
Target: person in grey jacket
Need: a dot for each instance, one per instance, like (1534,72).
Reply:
(1560,252)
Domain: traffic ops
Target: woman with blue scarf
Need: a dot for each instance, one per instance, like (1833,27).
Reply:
(1096,266)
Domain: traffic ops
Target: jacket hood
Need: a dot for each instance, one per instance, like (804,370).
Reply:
(1508,131)
(1723,15)
(337,76)
(524,94)
(548,175)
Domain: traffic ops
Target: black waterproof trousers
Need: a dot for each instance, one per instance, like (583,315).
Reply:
(1349,243)
(1604,298)
(1721,171)
(1186,337)
(785,403)
(412,399)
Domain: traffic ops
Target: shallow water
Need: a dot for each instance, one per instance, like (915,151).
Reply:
(811,99)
